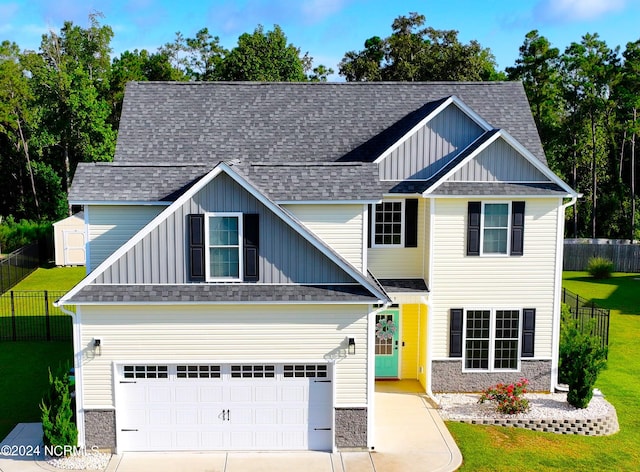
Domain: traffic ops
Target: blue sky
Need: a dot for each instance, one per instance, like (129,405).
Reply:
(326,29)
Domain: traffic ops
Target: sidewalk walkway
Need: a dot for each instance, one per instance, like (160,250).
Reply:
(410,436)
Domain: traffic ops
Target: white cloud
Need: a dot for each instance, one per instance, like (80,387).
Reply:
(318,10)
(576,10)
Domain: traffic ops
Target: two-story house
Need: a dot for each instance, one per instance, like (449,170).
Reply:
(260,253)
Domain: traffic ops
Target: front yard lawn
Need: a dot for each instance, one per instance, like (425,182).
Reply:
(492,448)
(24,378)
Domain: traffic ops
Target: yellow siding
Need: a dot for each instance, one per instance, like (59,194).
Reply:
(400,262)
(410,339)
(110,226)
(302,333)
(461,281)
(340,226)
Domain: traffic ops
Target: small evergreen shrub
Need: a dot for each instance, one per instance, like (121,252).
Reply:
(57,413)
(599,267)
(509,398)
(582,358)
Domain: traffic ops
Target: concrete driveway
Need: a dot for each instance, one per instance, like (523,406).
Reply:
(410,436)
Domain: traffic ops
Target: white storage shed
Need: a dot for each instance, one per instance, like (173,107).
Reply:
(70,236)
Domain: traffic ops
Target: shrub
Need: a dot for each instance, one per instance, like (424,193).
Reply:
(509,398)
(15,234)
(57,414)
(581,359)
(599,267)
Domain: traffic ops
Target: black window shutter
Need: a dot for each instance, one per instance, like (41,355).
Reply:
(251,233)
(411,222)
(370,219)
(517,228)
(528,332)
(455,332)
(473,228)
(196,248)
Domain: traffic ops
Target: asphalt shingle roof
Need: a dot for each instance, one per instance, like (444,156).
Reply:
(132,182)
(207,122)
(403,285)
(499,189)
(220,293)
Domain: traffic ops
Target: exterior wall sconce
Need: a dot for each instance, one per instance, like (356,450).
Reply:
(351,346)
(97,342)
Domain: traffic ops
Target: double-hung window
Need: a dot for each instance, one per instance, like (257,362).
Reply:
(224,246)
(495,228)
(492,339)
(388,225)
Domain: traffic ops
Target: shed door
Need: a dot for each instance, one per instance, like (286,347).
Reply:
(74,247)
(183,407)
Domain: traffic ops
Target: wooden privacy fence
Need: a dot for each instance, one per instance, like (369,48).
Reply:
(17,265)
(31,316)
(590,317)
(624,255)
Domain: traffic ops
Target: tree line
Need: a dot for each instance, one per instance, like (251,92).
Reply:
(61,105)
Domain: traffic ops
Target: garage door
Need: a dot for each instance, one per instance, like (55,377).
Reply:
(184,407)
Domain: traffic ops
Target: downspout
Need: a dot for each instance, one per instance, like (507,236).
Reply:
(77,366)
(555,347)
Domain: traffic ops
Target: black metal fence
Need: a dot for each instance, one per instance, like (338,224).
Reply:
(17,265)
(31,316)
(589,316)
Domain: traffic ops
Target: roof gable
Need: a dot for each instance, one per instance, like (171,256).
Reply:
(481,162)
(499,162)
(432,143)
(143,259)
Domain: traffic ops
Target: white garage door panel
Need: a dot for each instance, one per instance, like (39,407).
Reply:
(233,408)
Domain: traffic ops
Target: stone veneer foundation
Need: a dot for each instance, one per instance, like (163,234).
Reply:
(351,428)
(100,429)
(447,377)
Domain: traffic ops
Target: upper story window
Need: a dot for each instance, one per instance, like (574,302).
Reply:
(224,254)
(388,227)
(495,228)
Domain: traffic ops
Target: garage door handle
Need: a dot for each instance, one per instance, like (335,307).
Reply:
(322,429)
(322,381)
(128,430)
(128,381)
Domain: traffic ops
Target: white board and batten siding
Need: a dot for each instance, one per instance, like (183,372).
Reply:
(461,281)
(340,226)
(388,262)
(224,334)
(110,226)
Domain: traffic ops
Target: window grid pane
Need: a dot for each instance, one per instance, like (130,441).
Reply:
(388,223)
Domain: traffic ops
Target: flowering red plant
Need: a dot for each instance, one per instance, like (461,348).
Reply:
(509,398)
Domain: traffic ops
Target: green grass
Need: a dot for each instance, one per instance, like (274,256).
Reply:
(24,378)
(492,448)
(54,278)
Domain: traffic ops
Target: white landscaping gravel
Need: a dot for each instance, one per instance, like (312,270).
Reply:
(88,461)
(457,407)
